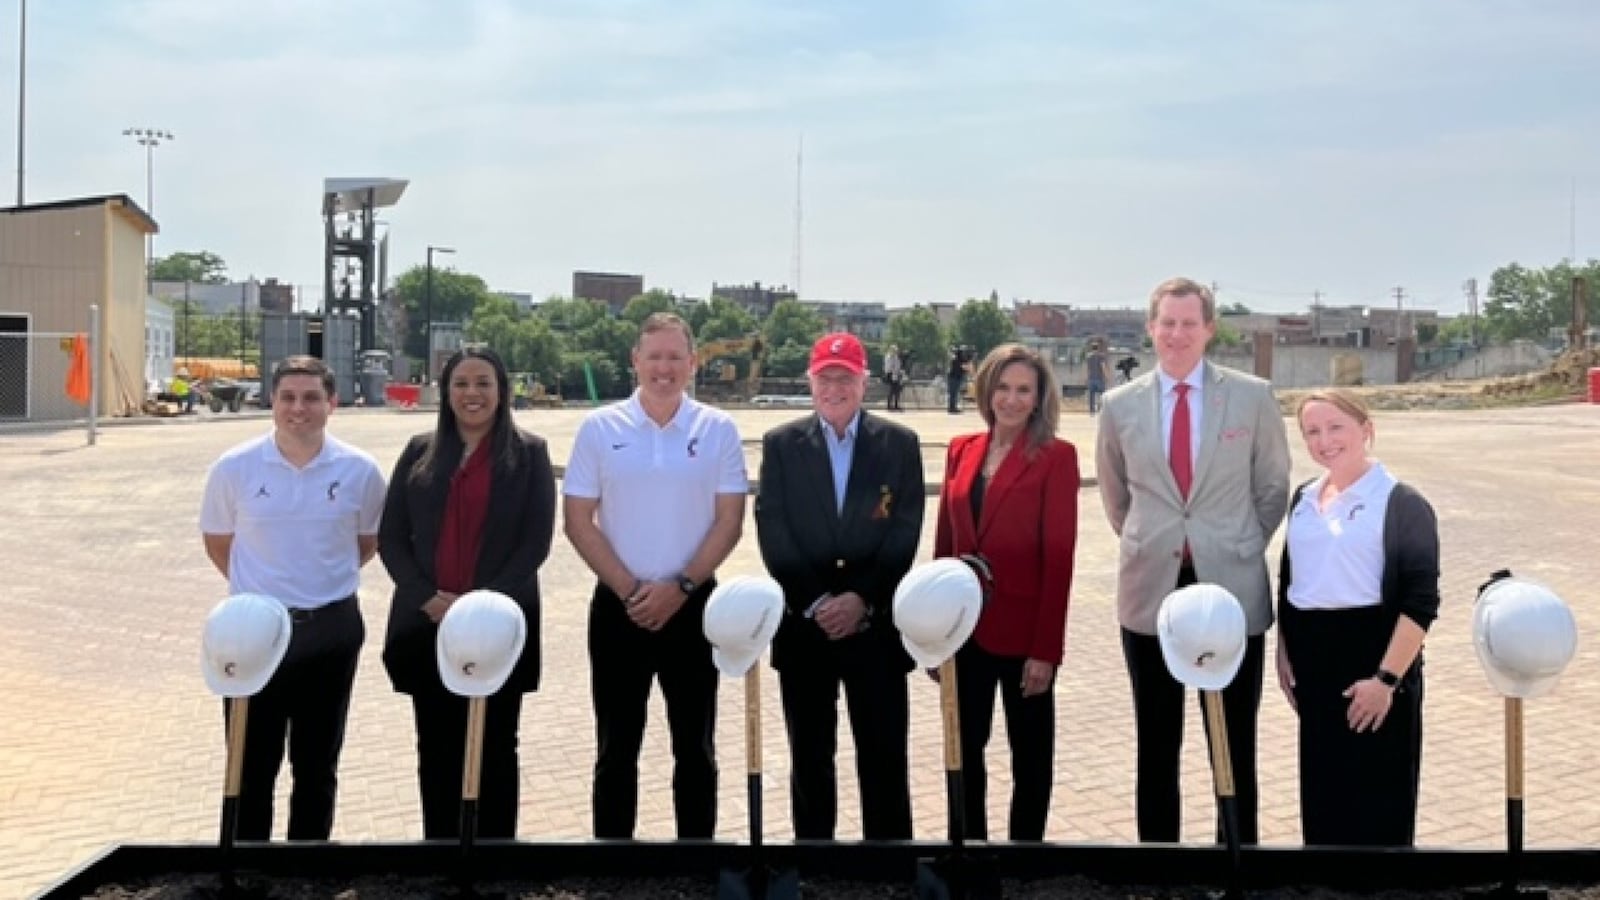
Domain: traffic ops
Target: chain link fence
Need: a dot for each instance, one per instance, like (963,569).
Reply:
(48,377)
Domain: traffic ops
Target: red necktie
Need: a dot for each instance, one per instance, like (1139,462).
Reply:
(1181,459)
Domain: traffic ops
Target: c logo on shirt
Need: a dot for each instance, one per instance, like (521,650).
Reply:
(693,443)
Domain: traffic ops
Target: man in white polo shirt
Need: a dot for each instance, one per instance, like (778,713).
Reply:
(655,495)
(294,514)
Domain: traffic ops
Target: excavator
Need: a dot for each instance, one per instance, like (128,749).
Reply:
(713,359)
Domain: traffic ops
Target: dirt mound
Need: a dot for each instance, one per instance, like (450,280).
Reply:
(1564,379)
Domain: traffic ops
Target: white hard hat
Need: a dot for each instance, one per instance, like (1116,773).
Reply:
(1202,632)
(741,618)
(245,638)
(480,640)
(936,608)
(1525,636)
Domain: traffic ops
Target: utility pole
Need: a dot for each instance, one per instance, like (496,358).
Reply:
(1399,312)
(1471,287)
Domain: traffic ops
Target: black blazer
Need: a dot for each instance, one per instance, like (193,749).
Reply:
(517,532)
(811,549)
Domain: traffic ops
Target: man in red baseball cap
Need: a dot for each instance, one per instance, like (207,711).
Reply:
(838,517)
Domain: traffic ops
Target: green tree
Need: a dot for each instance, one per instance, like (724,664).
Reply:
(983,325)
(1459,330)
(1227,335)
(609,383)
(200,265)
(612,339)
(791,322)
(787,361)
(568,316)
(456,296)
(525,342)
(917,332)
(648,303)
(1233,309)
(1529,303)
(723,319)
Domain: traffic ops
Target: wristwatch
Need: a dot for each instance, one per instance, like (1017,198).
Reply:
(687,585)
(1387,678)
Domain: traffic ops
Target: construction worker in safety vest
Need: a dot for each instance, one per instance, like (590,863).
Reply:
(181,389)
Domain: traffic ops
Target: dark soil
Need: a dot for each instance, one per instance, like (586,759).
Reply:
(416,888)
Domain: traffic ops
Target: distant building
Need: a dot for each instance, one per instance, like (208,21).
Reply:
(610,288)
(1121,328)
(276,298)
(754,298)
(866,320)
(1042,320)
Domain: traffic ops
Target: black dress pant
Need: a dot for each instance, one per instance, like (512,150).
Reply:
(876,691)
(305,704)
(624,659)
(441,719)
(1355,789)
(1158,721)
(1030,729)
(896,386)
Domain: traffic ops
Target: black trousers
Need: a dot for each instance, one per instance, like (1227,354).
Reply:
(1158,722)
(624,659)
(305,704)
(1355,789)
(877,695)
(1030,729)
(441,719)
(896,386)
(953,396)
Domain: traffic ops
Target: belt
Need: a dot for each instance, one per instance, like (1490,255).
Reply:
(301,615)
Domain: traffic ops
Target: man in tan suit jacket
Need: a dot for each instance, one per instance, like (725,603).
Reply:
(1213,529)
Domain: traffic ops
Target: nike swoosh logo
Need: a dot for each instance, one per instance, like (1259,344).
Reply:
(618,446)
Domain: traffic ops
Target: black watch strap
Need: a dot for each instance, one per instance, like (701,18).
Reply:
(1388,678)
(687,585)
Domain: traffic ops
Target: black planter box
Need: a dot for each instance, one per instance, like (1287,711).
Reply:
(1266,867)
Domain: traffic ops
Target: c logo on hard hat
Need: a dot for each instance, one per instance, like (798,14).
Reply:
(467,669)
(228,669)
(1204,657)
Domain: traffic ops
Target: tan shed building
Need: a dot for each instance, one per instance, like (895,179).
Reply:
(56,259)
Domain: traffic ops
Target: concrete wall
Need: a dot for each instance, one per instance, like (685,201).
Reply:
(1515,358)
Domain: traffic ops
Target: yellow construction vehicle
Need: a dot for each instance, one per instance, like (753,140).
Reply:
(713,359)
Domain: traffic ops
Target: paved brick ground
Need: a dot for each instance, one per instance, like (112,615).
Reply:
(108,734)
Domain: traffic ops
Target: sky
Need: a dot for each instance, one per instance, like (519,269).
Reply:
(1052,151)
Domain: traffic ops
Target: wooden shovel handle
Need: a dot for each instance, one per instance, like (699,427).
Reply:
(1514,765)
(1221,759)
(471,773)
(240,707)
(950,713)
(752,719)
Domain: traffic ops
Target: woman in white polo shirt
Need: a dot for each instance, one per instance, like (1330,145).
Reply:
(1358,588)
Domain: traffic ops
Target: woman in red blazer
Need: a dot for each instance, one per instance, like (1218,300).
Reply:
(1010,495)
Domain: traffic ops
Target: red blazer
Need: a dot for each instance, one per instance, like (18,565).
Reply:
(1028,533)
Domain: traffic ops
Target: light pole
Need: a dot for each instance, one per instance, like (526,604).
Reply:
(151,138)
(22,93)
(427,311)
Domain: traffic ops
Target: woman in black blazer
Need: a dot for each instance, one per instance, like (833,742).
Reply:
(471,505)
(1358,588)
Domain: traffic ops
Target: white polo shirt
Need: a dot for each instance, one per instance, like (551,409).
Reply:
(1337,551)
(294,530)
(657,485)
